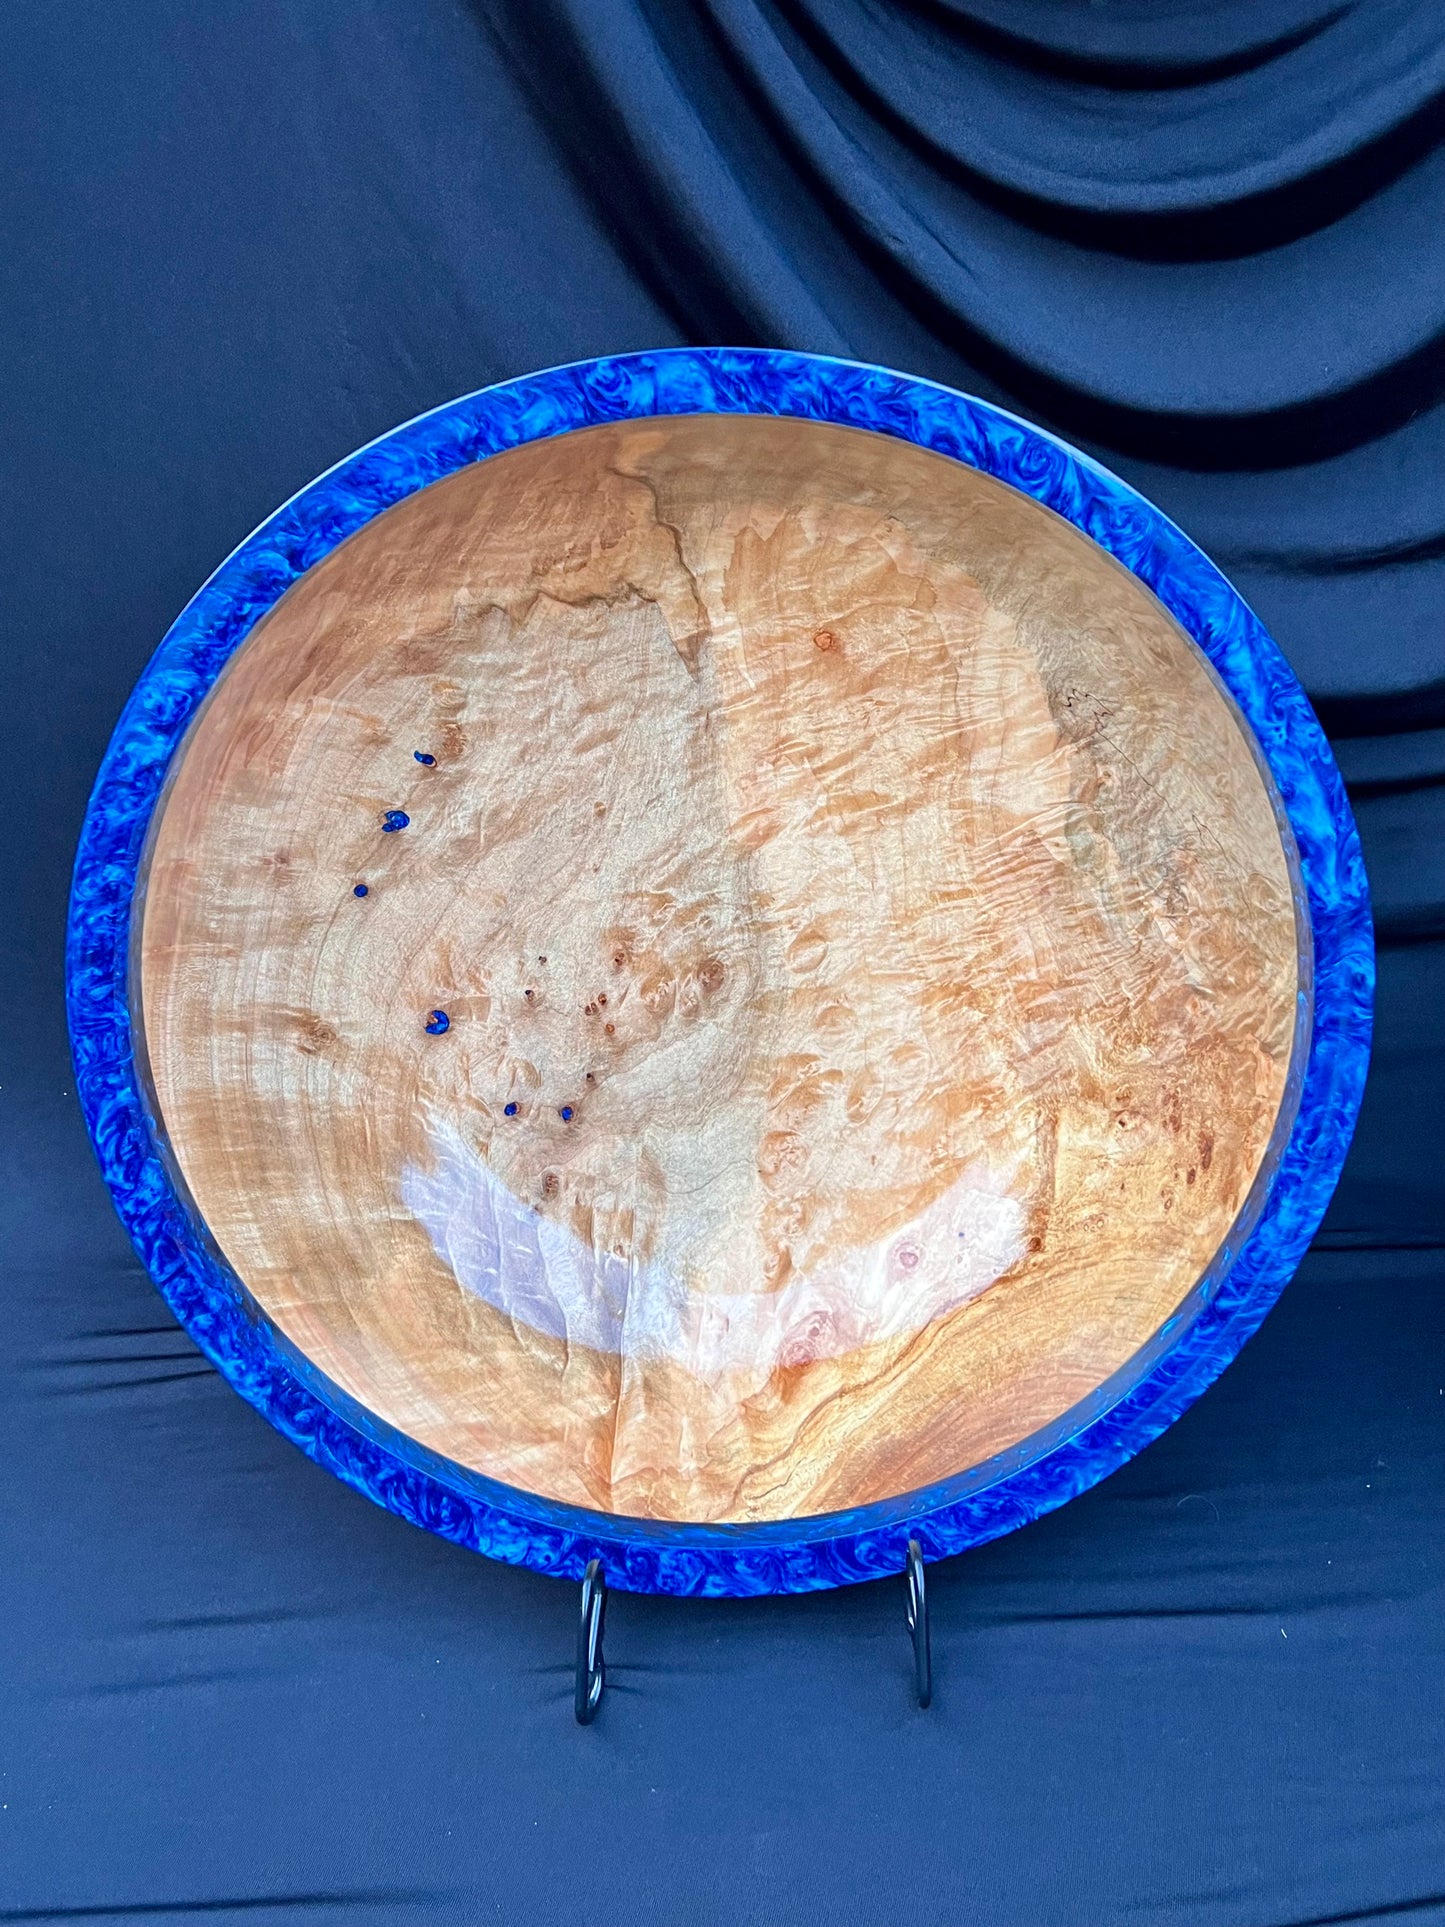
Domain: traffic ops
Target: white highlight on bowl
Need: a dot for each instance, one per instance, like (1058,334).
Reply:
(539,1273)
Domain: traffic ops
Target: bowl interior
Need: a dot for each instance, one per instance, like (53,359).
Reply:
(720,967)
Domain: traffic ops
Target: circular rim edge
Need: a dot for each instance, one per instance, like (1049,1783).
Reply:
(664,1556)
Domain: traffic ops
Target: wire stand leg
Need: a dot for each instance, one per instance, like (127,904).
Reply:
(591,1672)
(916,1612)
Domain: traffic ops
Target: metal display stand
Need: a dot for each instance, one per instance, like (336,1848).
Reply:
(915,1613)
(592,1670)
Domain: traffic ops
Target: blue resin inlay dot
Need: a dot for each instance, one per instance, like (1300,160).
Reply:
(509,1110)
(395,820)
(360,890)
(522,1527)
(422,757)
(437,1023)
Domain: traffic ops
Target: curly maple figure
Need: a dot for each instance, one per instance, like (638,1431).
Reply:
(816,1003)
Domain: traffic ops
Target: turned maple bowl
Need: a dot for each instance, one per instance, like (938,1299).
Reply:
(716,959)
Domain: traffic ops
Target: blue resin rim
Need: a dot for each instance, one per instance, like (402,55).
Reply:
(643,1555)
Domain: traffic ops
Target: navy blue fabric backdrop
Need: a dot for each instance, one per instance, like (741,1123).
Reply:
(1204,239)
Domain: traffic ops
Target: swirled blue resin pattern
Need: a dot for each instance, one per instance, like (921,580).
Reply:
(793,1555)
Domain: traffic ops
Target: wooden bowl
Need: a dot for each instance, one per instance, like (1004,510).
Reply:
(718,983)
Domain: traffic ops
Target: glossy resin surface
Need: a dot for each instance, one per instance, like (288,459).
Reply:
(932,905)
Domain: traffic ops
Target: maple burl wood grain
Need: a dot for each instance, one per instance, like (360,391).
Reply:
(865,941)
